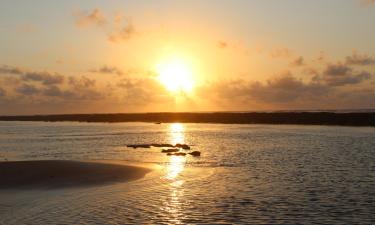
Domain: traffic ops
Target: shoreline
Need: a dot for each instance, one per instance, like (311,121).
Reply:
(356,119)
(55,174)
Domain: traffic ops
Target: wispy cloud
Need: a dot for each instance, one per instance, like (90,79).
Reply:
(125,33)
(108,70)
(299,61)
(93,17)
(358,59)
(117,30)
(280,53)
(222,44)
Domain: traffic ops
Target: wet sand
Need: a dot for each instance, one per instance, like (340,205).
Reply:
(62,174)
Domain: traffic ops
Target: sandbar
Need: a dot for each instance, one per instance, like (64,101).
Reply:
(64,173)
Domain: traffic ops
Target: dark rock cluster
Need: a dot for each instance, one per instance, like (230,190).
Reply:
(171,150)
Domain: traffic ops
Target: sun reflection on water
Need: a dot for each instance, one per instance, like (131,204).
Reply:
(174,168)
(177,133)
(176,164)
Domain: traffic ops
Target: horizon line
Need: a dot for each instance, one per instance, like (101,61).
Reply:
(369,110)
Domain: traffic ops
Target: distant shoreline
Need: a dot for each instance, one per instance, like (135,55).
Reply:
(291,118)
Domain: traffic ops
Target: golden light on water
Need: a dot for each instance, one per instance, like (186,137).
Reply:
(175,167)
(176,163)
(177,133)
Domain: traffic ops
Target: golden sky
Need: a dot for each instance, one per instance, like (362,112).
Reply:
(141,56)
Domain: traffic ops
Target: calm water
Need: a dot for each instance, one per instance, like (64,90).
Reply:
(247,174)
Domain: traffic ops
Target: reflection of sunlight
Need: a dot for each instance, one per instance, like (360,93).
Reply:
(175,167)
(177,127)
(176,133)
(176,163)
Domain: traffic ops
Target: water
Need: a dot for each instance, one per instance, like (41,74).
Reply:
(247,174)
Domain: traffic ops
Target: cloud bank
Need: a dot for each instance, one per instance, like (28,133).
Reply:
(329,85)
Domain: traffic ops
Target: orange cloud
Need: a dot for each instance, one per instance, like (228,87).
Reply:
(362,60)
(124,33)
(95,17)
(299,61)
(280,53)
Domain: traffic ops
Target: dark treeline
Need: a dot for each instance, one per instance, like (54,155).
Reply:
(307,118)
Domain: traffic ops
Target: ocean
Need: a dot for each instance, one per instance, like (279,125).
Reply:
(246,174)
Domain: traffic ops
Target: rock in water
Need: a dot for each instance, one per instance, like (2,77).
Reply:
(183,146)
(195,153)
(162,145)
(139,146)
(177,154)
(170,150)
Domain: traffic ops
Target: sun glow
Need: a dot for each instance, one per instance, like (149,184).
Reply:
(176,75)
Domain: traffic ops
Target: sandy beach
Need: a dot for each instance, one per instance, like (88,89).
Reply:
(62,173)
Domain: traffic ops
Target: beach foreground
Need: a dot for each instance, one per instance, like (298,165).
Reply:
(62,173)
(246,174)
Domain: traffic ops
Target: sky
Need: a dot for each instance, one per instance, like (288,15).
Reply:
(115,56)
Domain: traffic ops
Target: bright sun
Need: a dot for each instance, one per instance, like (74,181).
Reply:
(176,75)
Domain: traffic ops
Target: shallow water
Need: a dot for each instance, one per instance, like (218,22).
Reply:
(246,174)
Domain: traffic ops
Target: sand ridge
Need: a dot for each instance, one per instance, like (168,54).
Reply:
(64,173)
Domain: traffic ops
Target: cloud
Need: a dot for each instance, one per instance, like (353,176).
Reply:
(27,89)
(43,77)
(299,61)
(330,85)
(340,74)
(4,69)
(81,82)
(116,30)
(280,53)
(286,88)
(142,91)
(345,80)
(122,34)
(108,70)
(337,70)
(362,60)
(2,92)
(52,91)
(42,92)
(94,17)
(283,89)
(222,44)
(335,86)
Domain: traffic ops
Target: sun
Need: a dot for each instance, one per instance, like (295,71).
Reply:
(176,75)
